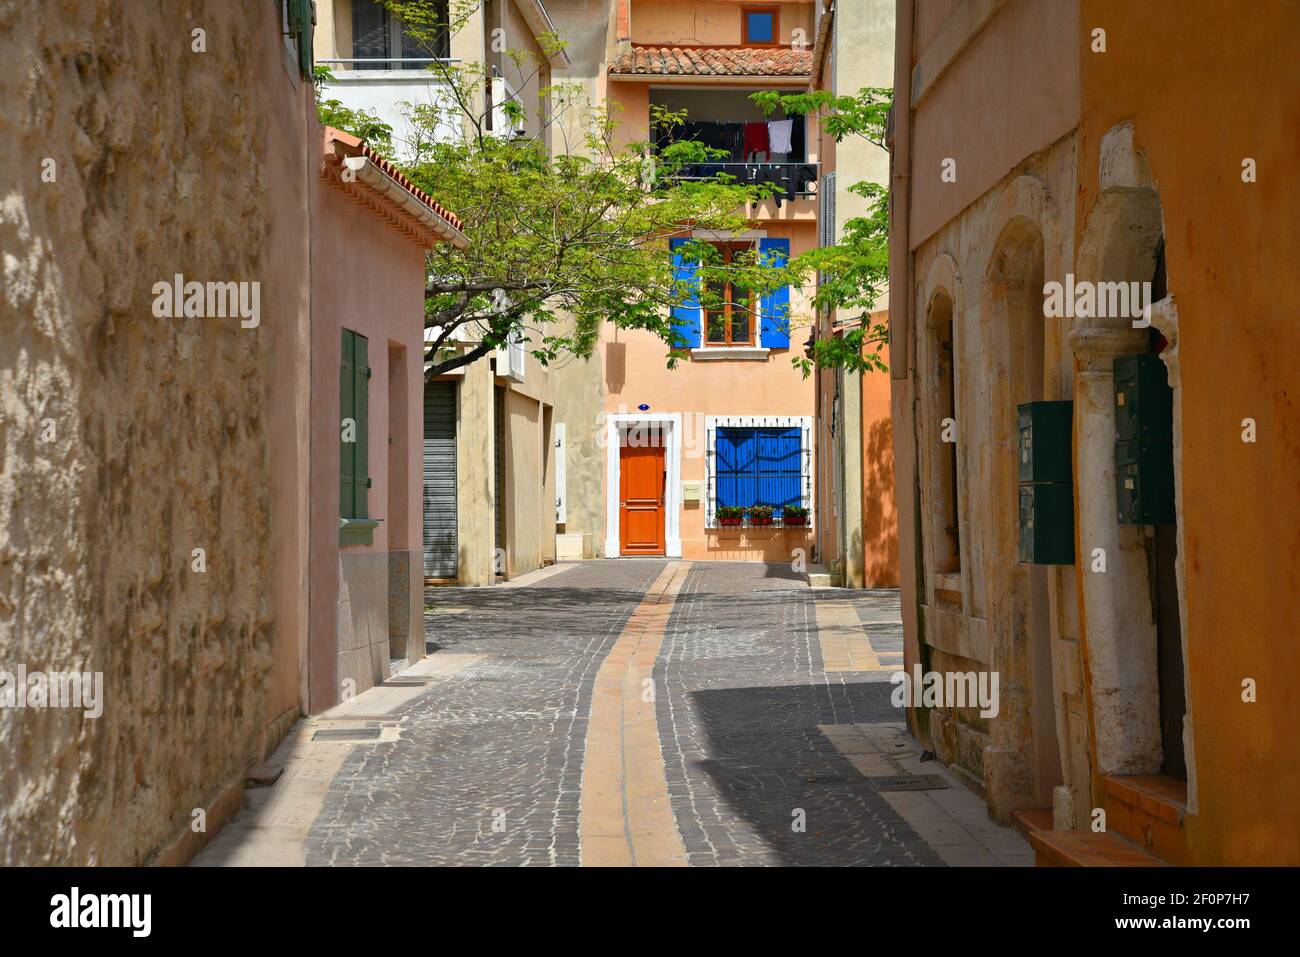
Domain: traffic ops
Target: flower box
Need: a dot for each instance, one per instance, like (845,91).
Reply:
(799,520)
(728,522)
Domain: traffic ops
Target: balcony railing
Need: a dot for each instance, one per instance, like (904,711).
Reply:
(388,89)
(386,63)
(791,179)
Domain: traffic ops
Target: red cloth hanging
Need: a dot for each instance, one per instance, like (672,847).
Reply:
(756,140)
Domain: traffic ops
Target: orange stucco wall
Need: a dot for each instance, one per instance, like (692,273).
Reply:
(711,22)
(636,373)
(1224,87)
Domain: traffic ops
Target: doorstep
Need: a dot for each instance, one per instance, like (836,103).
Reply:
(1148,810)
(1088,849)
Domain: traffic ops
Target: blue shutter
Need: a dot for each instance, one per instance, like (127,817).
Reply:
(779,468)
(737,467)
(686,317)
(775,331)
(725,459)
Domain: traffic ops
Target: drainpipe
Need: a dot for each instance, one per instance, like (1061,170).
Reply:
(900,256)
(911,573)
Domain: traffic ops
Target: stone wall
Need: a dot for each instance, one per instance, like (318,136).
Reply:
(127,441)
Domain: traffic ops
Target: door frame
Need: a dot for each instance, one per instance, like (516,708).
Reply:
(671,423)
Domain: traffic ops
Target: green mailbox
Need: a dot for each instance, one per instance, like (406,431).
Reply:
(1046,482)
(1144,444)
(1047,523)
(1045,441)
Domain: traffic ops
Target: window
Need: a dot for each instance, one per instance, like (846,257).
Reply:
(730,315)
(944,401)
(299,17)
(759,466)
(381,38)
(759,26)
(729,307)
(354,439)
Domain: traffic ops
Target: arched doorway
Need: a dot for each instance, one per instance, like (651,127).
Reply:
(1133,609)
(1012,310)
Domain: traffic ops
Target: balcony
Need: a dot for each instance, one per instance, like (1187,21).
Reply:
(391,88)
(791,180)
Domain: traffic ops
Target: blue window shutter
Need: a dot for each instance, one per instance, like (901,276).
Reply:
(779,472)
(686,317)
(725,457)
(737,458)
(775,332)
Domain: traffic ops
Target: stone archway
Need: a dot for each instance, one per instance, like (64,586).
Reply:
(1120,243)
(1026,737)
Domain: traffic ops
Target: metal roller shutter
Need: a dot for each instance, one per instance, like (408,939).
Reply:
(440,480)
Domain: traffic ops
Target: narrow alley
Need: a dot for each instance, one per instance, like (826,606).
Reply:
(634,712)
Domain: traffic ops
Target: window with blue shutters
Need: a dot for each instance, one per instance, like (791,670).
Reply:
(759,466)
(732,317)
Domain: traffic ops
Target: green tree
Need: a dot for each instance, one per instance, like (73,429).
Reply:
(855,270)
(560,239)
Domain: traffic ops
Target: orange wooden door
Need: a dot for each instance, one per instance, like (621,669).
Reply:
(641,499)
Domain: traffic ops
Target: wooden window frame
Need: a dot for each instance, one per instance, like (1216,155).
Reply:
(729,251)
(776,27)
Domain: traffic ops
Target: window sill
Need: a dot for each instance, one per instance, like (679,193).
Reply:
(357,531)
(776,526)
(751,353)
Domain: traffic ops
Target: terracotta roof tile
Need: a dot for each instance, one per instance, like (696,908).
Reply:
(713,61)
(358,147)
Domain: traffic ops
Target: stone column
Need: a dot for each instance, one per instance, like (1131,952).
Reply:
(1118,627)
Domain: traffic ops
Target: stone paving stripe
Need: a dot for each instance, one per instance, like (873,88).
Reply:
(844,642)
(626,818)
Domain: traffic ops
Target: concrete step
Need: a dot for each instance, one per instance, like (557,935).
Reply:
(818,576)
(1087,849)
(1032,819)
(1148,809)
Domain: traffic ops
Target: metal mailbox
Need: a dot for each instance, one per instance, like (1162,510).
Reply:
(1144,445)
(1046,506)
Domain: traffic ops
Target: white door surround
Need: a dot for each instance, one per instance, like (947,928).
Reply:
(615,424)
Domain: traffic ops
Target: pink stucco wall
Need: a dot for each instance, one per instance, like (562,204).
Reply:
(368,277)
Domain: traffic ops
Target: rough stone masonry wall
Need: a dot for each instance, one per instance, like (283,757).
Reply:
(160,425)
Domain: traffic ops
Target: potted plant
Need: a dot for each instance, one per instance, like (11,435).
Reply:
(730,514)
(760,515)
(794,515)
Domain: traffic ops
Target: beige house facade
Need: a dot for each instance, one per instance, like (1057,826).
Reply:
(1068,489)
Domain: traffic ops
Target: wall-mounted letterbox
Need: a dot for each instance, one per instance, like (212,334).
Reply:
(1046,483)
(1045,441)
(1144,456)
(1144,403)
(1047,523)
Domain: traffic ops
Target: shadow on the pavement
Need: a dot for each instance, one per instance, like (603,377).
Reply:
(462,616)
(768,761)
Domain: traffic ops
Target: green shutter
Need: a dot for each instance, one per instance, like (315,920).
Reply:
(347,410)
(302,18)
(361,406)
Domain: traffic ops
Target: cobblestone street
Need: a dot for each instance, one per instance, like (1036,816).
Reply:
(627,712)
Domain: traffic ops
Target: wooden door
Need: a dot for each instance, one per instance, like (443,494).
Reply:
(641,498)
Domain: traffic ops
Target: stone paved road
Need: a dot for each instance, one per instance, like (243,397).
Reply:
(686,709)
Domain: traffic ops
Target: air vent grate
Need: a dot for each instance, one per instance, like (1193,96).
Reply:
(347,734)
(907,782)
